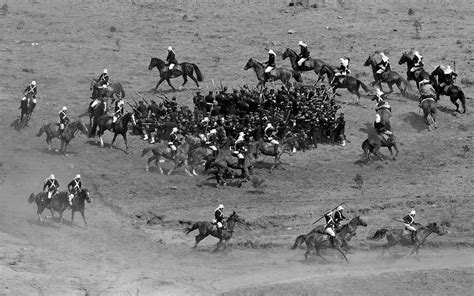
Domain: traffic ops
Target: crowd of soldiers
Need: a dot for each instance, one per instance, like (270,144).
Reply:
(308,113)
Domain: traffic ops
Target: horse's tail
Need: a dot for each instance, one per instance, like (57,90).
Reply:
(32,197)
(379,234)
(297,76)
(364,87)
(198,72)
(195,226)
(40,132)
(145,151)
(299,240)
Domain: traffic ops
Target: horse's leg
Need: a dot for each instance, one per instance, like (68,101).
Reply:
(113,140)
(83,217)
(48,140)
(218,245)
(101,141)
(124,136)
(199,238)
(194,79)
(72,217)
(159,82)
(185,80)
(342,253)
(157,162)
(150,159)
(169,83)
(453,100)
(390,85)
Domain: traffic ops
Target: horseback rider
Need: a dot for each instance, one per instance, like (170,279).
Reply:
(174,141)
(118,111)
(63,121)
(103,80)
(409,222)
(417,62)
(427,91)
(212,141)
(171,58)
(329,227)
(270,64)
(448,78)
(219,218)
(304,53)
(268,132)
(30,93)
(338,217)
(383,66)
(73,187)
(381,102)
(52,185)
(240,149)
(343,69)
(381,129)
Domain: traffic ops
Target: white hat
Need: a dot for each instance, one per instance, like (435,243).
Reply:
(384,57)
(344,61)
(170,48)
(300,43)
(340,208)
(413,212)
(241,134)
(378,92)
(174,130)
(64,108)
(377,118)
(271,52)
(448,70)
(105,71)
(205,119)
(417,54)
(213,131)
(78,176)
(51,176)
(33,82)
(221,206)
(269,124)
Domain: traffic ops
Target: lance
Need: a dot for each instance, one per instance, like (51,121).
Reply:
(328,212)
(142,97)
(454,70)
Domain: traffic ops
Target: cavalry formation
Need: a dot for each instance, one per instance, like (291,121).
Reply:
(229,131)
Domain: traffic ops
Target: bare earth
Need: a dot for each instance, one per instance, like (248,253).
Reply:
(134,244)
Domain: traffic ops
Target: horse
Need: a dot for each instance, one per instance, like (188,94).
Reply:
(350,83)
(309,65)
(79,204)
(163,151)
(269,150)
(94,113)
(347,231)
(26,108)
(197,156)
(428,105)
(454,92)
(280,74)
(388,76)
(208,228)
(52,131)
(113,90)
(181,69)
(373,144)
(121,127)
(403,237)
(417,75)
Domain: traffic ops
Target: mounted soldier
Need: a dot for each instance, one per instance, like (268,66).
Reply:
(448,78)
(427,91)
(174,141)
(63,121)
(417,63)
(329,227)
(304,54)
(211,141)
(381,101)
(219,218)
(381,129)
(51,185)
(268,136)
(171,58)
(343,70)
(270,64)
(338,217)
(240,148)
(30,94)
(73,187)
(409,222)
(383,66)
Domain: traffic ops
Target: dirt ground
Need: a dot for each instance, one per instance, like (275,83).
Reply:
(134,243)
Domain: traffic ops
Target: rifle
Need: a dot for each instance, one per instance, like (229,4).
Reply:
(327,212)
(133,108)
(142,97)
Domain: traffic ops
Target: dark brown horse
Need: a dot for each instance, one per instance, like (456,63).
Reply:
(26,108)
(389,77)
(309,65)
(268,149)
(162,151)
(59,203)
(95,113)
(403,237)
(350,83)
(181,69)
(282,74)
(52,131)
(121,127)
(373,144)
(417,75)
(208,228)
(454,92)
(114,90)
(346,232)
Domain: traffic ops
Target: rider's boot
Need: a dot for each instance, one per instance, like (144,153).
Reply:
(241,162)
(275,149)
(33,105)
(332,239)
(413,236)
(60,135)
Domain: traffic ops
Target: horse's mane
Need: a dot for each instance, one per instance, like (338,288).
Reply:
(231,216)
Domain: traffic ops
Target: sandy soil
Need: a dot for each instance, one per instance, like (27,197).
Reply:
(134,244)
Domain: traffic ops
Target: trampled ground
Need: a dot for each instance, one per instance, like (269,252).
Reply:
(63,44)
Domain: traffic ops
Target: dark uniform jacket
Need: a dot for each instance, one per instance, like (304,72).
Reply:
(103,79)
(171,58)
(51,185)
(219,215)
(271,60)
(408,219)
(304,53)
(63,117)
(74,185)
(30,90)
